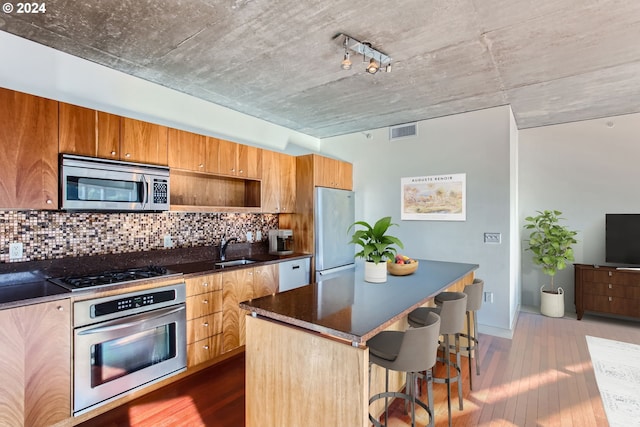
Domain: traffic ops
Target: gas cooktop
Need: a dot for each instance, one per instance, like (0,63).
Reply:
(107,278)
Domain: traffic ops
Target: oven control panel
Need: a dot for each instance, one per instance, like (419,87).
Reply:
(131,303)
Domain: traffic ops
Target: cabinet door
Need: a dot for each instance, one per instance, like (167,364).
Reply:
(265,280)
(278,182)
(212,152)
(108,136)
(332,173)
(345,176)
(143,142)
(287,169)
(237,286)
(35,364)
(227,157)
(77,130)
(28,151)
(249,162)
(186,150)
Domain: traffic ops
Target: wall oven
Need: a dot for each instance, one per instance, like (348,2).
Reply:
(126,341)
(88,183)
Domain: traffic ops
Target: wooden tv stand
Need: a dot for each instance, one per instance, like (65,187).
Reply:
(608,290)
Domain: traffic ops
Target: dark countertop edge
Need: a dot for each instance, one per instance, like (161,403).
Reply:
(32,301)
(197,268)
(360,340)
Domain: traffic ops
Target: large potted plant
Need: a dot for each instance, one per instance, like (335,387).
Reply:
(550,244)
(377,248)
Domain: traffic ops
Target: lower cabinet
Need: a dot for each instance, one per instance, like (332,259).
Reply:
(204,318)
(35,364)
(606,290)
(241,285)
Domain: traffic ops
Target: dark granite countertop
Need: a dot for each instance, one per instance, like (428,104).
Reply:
(26,283)
(347,307)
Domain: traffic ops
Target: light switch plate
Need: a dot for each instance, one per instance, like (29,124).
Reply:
(492,238)
(167,241)
(15,251)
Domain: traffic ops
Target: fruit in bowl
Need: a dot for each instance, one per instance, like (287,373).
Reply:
(402,265)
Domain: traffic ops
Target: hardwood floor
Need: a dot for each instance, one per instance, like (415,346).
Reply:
(542,377)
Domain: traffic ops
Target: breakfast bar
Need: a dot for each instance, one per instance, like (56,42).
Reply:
(307,362)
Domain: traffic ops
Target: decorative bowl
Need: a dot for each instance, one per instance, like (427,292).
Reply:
(401,269)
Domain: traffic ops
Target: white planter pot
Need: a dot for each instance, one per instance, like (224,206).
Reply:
(375,273)
(552,305)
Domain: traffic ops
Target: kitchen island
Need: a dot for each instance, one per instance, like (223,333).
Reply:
(307,362)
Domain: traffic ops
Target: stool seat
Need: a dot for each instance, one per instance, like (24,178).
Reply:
(411,351)
(451,312)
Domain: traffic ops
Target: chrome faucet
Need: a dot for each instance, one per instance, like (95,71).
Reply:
(223,247)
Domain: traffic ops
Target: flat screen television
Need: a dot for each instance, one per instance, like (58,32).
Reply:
(622,238)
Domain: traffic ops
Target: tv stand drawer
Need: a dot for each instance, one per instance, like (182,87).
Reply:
(607,290)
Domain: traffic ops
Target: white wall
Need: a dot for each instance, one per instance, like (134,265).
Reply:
(479,144)
(584,169)
(39,70)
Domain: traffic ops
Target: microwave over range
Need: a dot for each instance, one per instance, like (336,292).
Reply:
(92,184)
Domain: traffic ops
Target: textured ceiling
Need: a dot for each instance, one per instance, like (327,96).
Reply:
(553,61)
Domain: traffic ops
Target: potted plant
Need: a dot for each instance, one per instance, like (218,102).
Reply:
(550,244)
(377,248)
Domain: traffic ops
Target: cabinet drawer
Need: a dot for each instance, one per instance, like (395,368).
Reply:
(613,305)
(204,350)
(605,289)
(612,276)
(204,304)
(202,284)
(204,327)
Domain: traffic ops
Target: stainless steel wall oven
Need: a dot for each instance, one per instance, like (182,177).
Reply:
(123,342)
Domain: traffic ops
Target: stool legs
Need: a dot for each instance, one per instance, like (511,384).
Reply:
(457,378)
(472,345)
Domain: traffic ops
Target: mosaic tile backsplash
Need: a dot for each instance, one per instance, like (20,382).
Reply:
(50,234)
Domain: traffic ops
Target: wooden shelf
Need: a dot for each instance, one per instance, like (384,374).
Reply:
(201,192)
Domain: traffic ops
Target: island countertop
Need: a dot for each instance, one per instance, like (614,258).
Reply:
(349,308)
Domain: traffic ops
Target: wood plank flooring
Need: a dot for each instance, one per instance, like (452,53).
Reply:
(542,377)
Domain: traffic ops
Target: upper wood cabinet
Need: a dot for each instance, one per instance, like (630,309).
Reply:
(143,142)
(88,132)
(35,373)
(239,160)
(278,182)
(188,151)
(28,151)
(332,173)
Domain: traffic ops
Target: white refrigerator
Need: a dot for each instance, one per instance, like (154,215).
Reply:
(334,214)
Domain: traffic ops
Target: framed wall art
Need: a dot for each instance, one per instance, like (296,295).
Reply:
(435,197)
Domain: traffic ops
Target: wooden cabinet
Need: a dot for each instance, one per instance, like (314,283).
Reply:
(239,160)
(332,173)
(313,171)
(188,151)
(204,318)
(241,285)
(28,151)
(606,290)
(88,132)
(278,182)
(35,364)
(143,142)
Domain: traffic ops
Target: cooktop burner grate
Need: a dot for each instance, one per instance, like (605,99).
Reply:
(110,277)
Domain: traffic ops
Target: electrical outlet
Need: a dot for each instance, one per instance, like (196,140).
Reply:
(488,297)
(15,251)
(167,241)
(492,238)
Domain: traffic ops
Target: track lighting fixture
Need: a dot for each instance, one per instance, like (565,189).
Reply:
(376,58)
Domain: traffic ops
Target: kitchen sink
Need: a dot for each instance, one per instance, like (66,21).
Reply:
(234,263)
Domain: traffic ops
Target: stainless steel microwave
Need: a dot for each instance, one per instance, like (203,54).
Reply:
(87,183)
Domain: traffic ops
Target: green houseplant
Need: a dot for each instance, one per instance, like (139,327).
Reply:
(551,245)
(377,247)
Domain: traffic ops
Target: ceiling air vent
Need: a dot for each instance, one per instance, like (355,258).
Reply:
(403,131)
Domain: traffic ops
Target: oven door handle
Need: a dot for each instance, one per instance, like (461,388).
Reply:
(127,323)
(145,187)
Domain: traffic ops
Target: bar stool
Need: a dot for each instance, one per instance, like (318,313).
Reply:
(451,314)
(474,303)
(412,351)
